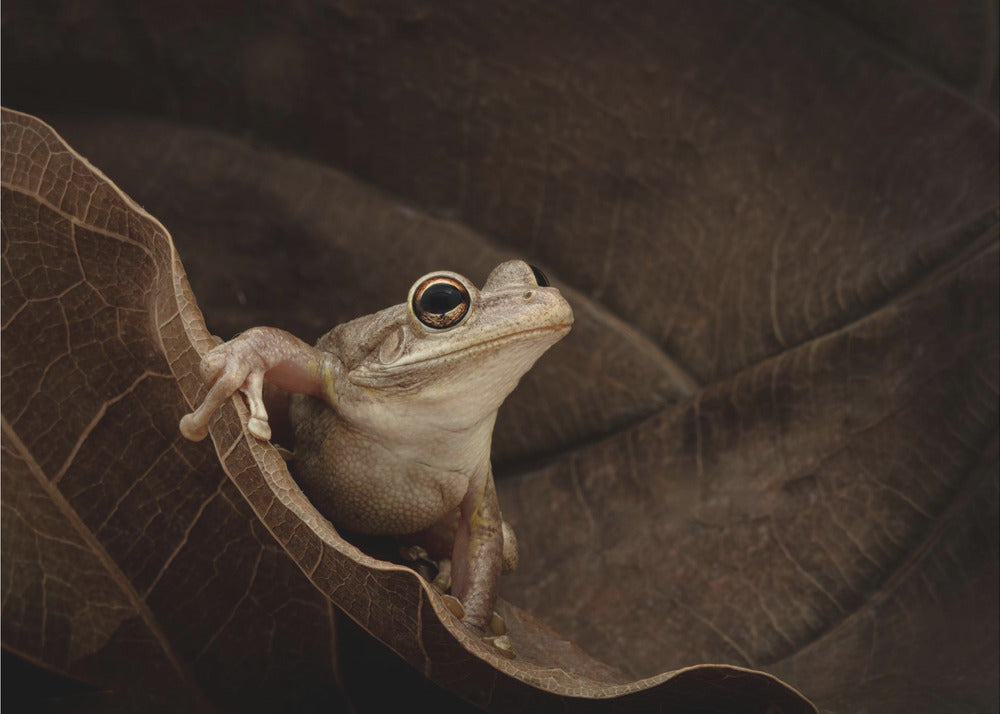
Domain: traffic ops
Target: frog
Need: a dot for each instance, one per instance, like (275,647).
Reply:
(393,416)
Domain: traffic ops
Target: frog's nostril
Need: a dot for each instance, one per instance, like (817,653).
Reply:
(528,295)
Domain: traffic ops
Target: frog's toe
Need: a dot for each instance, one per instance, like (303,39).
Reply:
(253,387)
(442,581)
(502,646)
(259,428)
(414,554)
(497,626)
(192,429)
(495,634)
(454,606)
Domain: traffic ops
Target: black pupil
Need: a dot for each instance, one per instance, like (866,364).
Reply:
(440,298)
(540,278)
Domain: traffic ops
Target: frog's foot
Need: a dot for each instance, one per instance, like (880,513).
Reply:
(237,365)
(417,558)
(442,581)
(436,572)
(415,554)
(496,630)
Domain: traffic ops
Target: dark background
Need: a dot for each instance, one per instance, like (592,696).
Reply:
(472,112)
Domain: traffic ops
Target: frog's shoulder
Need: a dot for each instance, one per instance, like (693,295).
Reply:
(354,340)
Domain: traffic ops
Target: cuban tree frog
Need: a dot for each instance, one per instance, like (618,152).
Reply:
(393,412)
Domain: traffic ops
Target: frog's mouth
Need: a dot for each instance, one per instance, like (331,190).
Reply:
(375,374)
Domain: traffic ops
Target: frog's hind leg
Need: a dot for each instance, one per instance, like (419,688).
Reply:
(477,552)
(509,557)
(438,541)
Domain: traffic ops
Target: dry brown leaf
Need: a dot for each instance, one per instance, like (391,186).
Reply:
(106,501)
(130,559)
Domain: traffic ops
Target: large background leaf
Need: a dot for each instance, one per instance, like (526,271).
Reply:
(783,247)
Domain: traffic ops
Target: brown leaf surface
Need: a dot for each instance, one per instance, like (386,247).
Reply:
(771,438)
(98,468)
(130,559)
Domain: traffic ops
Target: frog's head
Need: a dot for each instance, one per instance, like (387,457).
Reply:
(452,353)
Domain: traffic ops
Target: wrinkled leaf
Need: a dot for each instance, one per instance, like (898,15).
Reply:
(109,280)
(130,559)
(782,240)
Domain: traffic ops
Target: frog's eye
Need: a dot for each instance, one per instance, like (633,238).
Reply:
(440,301)
(540,278)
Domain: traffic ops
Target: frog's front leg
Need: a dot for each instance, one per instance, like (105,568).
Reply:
(478,551)
(243,363)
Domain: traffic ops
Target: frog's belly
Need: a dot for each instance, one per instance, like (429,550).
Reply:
(364,487)
(382,501)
